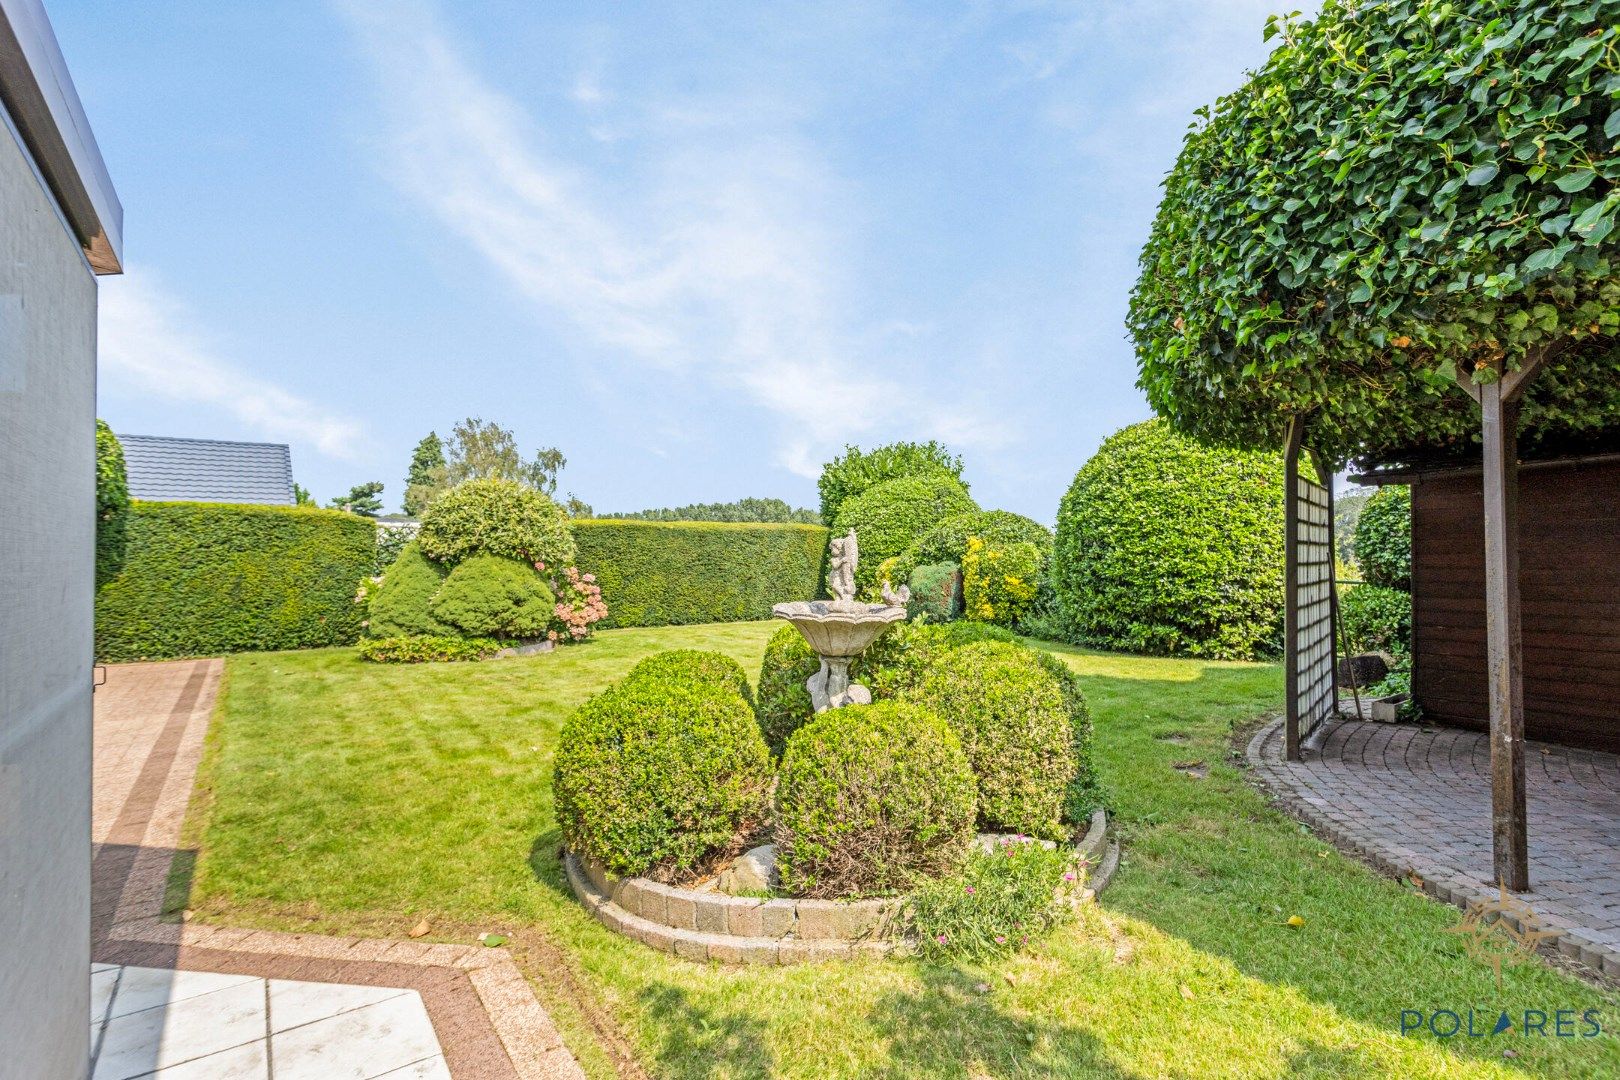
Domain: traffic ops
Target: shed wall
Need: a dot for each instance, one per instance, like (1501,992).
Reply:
(1569,520)
(47,539)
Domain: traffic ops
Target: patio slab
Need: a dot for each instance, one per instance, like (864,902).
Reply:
(173,1025)
(1416,800)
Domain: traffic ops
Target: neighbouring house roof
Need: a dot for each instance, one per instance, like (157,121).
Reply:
(207,470)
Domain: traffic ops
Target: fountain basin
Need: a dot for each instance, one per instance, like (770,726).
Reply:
(838,631)
(835,629)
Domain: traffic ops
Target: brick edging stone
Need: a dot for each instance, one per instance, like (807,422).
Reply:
(704,925)
(1366,844)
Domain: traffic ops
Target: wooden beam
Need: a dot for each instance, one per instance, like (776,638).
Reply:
(1504,653)
(1296,439)
(1504,667)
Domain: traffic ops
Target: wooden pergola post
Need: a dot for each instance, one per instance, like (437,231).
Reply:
(1499,434)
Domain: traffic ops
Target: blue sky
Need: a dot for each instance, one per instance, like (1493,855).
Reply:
(698,247)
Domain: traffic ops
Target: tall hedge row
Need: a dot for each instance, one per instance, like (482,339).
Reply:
(665,573)
(199,579)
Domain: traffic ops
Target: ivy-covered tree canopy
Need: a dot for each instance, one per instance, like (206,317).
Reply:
(1406,190)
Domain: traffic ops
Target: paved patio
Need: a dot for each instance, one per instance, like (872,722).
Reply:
(1417,800)
(187,1025)
(182,1001)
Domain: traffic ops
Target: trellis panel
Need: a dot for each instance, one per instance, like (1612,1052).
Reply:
(1312,605)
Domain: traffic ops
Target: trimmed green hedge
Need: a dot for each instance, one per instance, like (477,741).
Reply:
(200,579)
(667,573)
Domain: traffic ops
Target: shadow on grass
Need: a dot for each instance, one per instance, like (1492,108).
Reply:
(948,1028)
(702,1041)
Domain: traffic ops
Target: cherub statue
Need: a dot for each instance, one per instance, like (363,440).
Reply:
(843,552)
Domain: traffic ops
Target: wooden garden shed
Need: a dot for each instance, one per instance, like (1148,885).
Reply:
(1569,595)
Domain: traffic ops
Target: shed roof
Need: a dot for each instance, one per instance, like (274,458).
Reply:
(38,96)
(207,470)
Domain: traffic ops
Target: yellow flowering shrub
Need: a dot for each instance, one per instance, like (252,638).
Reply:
(999,581)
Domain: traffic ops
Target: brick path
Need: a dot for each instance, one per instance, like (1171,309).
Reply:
(1417,800)
(150,723)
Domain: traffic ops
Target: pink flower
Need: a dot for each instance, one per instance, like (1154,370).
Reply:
(587,577)
(1068,877)
(970,890)
(940,939)
(1000,940)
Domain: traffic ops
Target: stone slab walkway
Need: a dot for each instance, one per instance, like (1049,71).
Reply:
(151,720)
(1416,800)
(185,1025)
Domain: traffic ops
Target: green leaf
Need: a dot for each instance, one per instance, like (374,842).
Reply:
(1611,126)
(1361,293)
(1480,175)
(1579,180)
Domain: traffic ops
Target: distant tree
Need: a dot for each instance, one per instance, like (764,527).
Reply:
(767,511)
(301,496)
(425,459)
(482,450)
(362,499)
(577,507)
(1347,507)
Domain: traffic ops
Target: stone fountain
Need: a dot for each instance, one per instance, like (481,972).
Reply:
(840,629)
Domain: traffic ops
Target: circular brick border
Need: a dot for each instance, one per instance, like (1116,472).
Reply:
(704,925)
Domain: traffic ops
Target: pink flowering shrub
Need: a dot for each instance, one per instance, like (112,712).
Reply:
(579,604)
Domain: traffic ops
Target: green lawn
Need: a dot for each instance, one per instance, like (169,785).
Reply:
(339,796)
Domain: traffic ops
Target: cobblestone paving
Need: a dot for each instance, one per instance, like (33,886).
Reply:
(1417,800)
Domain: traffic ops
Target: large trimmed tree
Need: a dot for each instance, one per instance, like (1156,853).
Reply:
(1406,192)
(1410,196)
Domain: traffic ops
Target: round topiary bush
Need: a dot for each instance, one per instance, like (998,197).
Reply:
(856,470)
(402,605)
(691,667)
(891,516)
(1013,720)
(872,797)
(783,704)
(1376,619)
(947,541)
(936,592)
(658,778)
(1164,546)
(896,661)
(493,596)
(1384,538)
(496,517)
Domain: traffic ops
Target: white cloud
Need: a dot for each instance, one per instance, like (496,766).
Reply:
(148,345)
(717,255)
